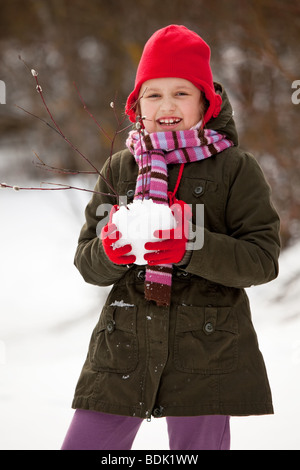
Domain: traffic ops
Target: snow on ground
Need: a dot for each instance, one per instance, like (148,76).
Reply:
(47,313)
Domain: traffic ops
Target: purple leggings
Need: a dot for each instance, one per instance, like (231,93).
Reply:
(91,430)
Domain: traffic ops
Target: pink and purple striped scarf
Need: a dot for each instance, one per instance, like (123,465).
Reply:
(153,152)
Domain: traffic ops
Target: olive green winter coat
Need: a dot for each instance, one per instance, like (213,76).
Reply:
(200,355)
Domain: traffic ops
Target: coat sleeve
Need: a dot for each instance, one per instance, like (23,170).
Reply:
(90,258)
(248,253)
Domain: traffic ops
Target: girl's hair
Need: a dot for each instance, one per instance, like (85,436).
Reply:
(205,102)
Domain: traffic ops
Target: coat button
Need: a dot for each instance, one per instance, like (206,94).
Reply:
(209,327)
(130,193)
(110,326)
(158,412)
(198,190)
(182,274)
(141,274)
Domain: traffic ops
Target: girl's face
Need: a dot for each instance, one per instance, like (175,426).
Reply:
(170,104)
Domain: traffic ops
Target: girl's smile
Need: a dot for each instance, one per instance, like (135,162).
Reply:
(170,104)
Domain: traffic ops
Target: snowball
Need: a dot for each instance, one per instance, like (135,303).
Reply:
(137,222)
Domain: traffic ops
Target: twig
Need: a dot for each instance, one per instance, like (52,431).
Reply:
(145,168)
(118,131)
(90,114)
(58,129)
(44,166)
(55,127)
(61,187)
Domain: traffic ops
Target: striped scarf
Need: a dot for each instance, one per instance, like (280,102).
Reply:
(153,152)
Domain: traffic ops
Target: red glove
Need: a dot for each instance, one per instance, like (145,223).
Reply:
(109,236)
(173,245)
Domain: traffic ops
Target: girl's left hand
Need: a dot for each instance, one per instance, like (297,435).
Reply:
(172,246)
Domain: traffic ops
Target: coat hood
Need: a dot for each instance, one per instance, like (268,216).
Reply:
(224,122)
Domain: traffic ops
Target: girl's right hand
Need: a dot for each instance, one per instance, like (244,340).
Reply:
(109,235)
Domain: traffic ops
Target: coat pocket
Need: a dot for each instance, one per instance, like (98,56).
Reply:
(206,340)
(115,345)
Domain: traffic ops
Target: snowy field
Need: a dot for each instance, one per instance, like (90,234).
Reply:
(47,316)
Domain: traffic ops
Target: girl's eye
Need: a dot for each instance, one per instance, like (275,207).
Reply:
(153,95)
(158,95)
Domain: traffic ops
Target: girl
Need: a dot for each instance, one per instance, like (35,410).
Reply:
(175,336)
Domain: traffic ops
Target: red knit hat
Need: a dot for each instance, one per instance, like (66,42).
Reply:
(175,51)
